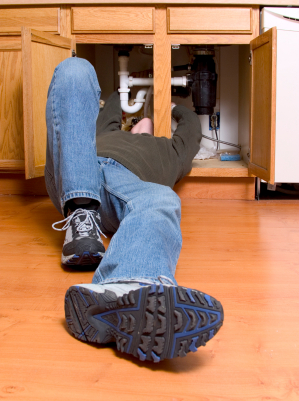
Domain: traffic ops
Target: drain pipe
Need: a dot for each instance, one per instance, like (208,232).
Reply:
(124,88)
(176,81)
(126,82)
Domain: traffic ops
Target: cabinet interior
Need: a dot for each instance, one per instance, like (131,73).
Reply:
(233,95)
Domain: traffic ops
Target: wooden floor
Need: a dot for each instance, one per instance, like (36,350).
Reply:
(245,253)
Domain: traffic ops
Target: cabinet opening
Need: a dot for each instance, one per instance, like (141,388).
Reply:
(232,100)
(138,61)
(224,115)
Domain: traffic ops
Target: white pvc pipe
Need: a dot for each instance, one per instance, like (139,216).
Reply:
(179,81)
(124,89)
(123,79)
(124,97)
(140,82)
(176,81)
(125,82)
(141,95)
(123,71)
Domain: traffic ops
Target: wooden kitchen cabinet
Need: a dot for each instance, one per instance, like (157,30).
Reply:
(161,26)
(22,122)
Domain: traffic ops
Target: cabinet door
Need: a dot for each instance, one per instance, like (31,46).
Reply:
(11,106)
(263,105)
(41,53)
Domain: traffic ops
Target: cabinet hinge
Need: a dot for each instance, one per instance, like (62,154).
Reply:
(175,47)
(250,57)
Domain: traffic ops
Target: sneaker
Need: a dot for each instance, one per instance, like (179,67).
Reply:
(151,322)
(83,244)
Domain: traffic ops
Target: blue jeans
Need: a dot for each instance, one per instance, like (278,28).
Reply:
(144,217)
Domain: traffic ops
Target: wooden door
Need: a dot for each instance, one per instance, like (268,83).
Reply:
(11,105)
(263,105)
(41,53)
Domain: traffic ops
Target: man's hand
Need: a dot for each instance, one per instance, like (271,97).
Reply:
(143,126)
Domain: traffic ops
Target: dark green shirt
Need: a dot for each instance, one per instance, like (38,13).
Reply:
(155,159)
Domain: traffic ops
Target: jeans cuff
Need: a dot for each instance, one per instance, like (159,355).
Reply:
(143,280)
(78,194)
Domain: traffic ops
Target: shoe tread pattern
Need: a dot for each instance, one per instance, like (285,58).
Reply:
(152,323)
(85,259)
(198,317)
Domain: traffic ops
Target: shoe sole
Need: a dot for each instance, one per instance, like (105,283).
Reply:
(152,323)
(86,259)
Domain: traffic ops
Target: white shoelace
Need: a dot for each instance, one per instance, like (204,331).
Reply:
(165,280)
(84,226)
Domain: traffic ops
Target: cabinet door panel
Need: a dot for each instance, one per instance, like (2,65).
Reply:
(45,18)
(113,19)
(210,19)
(41,53)
(263,105)
(11,106)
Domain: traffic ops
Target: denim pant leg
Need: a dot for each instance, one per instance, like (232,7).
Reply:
(71,114)
(146,220)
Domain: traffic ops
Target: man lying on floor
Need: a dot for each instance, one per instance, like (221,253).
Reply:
(104,180)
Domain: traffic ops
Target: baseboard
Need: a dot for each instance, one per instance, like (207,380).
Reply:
(223,188)
(16,184)
(189,187)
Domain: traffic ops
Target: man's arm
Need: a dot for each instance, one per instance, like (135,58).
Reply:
(186,138)
(110,117)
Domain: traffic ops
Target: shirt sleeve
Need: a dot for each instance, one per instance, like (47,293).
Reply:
(110,116)
(186,138)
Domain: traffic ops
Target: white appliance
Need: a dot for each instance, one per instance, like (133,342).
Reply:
(287,91)
(285,18)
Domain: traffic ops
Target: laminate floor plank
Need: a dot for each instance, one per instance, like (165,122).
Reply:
(245,253)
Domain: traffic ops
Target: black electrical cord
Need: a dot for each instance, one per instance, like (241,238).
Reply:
(217,138)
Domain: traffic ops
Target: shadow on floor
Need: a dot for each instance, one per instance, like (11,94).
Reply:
(193,361)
